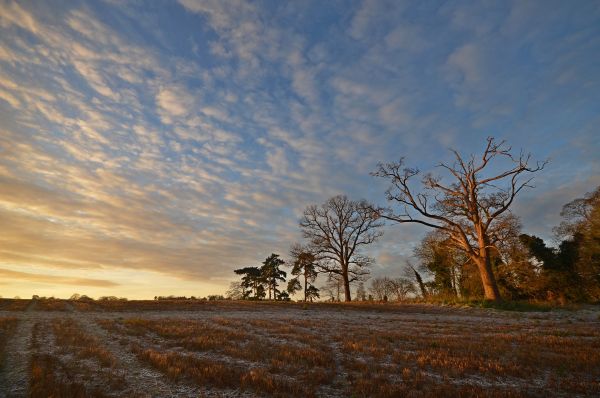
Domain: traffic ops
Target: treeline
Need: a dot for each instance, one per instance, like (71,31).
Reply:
(212,297)
(83,298)
(526,267)
(80,297)
(263,282)
(475,247)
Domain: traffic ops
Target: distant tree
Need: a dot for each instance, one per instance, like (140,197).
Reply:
(252,282)
(411,272)
(558,267)
(443,261)
(588,263)
(75,296)
(385,288)
(572,270)
(236,291)
(577,214)
(400,288)
(312,293)
(471,210)
(304,266)
(282,295)
(380,288)
(333,287)
(272,275)
(361,293)
(337,231)
(580,231)
(294,286)
(112,298)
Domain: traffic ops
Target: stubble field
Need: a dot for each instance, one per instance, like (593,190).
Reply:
(196,348)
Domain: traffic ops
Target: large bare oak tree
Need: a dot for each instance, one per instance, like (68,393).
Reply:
(337,231)
(472,210)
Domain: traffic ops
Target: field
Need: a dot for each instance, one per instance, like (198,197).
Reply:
(65,348)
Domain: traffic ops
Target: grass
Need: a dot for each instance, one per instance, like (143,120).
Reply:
(69,336)
(359,350)
(275,364)
(7,329)
(218,373)
(76,365)
(518,306)
(14,304)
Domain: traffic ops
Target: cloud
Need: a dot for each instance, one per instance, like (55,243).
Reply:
(11,99)
(365,17)
(133,148)
(406,37)
(467,60)
(277,160)
(173,102)
(54,279)
(13,14)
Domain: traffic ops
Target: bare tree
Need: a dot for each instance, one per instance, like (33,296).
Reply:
(337,231)
(401,287)
(361,293)
(236,291)
(333,287)
(471,210)
(386,288)
(380,288)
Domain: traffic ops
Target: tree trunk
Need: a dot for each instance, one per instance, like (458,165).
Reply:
(490,288)
(305,284)
(347,288)
(488,280)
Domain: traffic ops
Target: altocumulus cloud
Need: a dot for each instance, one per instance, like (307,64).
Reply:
(185,139)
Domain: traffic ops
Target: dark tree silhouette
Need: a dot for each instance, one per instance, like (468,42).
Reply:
(304,265)
(272,275)
(252,282)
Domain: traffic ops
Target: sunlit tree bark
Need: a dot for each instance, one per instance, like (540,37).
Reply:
(471,209)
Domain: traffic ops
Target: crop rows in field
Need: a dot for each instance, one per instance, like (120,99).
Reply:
(268,351)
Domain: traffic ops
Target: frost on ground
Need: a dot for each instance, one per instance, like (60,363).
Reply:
(14,375)
(228,349)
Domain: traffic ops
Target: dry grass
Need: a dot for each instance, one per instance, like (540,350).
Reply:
(70,338)
(463,357)
(274,368)
(52,304)
(76,366)
(50,377)
(215,373)
(279,350)
(14,304)
(46,382)
(7,328)
(448,355)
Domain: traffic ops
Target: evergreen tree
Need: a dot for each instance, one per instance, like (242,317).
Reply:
(303,268)
(272,275)
(252,282)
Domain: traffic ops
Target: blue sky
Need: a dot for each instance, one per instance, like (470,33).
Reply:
(152,148)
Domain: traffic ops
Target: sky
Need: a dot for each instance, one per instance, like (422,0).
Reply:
(150,148)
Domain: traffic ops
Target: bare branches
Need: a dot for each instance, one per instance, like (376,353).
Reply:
(337,230)
(470,208)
